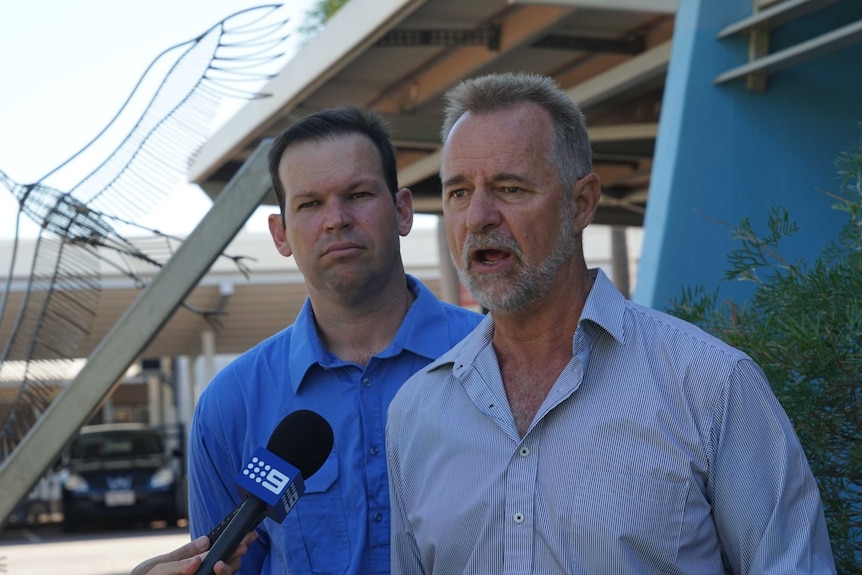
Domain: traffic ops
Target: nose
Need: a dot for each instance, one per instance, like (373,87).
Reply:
(337,216)
(482,211)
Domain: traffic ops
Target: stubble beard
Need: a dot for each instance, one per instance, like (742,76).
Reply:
(524,283)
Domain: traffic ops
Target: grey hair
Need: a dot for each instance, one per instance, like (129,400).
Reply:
(571,152)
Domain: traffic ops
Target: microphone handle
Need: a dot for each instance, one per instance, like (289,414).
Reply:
(219,529)
(249,514)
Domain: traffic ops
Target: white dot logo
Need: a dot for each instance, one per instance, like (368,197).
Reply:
(256,469)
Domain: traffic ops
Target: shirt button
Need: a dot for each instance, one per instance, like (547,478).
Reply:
(378,517)
(374,450)
(524,451)
(366,382)
(519,518)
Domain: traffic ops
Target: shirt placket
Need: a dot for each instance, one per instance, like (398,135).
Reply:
(520,507)
(375,465)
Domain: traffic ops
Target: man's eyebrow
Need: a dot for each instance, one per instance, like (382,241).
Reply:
(359,183)
(509,177)
(496,178)
(454,180)
(303,196)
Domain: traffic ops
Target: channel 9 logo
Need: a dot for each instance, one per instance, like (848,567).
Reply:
(272,480)
(266,475)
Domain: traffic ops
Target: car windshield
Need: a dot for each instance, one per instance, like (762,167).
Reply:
(116,444)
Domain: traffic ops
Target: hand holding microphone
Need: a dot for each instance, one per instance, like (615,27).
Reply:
(185,560)
(272,480)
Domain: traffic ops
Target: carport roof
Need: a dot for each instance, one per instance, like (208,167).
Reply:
(399,56)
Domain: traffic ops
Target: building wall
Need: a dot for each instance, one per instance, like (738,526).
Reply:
(724,153)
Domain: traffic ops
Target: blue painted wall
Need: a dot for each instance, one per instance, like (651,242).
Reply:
(724,153)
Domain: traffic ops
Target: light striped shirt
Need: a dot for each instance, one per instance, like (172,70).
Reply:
(659,449)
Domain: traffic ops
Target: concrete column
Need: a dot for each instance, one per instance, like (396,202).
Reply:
(208,351)
(154,398)
(185,390)
(108,410)
(168,405)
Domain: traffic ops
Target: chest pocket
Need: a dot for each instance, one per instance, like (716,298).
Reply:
(315,531)
(629,516)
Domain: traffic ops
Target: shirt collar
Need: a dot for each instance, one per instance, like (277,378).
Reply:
(605,307)
(424,331)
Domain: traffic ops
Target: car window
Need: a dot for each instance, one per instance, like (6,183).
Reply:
(116,444)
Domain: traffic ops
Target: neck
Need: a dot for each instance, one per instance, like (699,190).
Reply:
(355,333)
(533,346)
(549,324)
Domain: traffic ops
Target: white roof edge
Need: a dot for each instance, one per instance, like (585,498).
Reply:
(357,25)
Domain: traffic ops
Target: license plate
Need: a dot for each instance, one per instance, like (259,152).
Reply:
(118,498)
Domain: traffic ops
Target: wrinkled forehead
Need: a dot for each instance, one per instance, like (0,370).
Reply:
(497,138)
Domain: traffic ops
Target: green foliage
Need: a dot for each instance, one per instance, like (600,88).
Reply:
(803,326)
(318,15)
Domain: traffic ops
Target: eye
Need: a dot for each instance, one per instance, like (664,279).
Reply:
(360,195)
(459,193)
(305,205)
(511,189)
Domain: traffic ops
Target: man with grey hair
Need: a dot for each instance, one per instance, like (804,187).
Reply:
(575,431)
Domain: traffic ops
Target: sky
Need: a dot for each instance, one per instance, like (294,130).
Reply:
(67,66)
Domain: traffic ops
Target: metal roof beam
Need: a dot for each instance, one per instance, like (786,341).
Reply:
(643,68)
(430,165)
(488,36)
(520,28)
(589,44)
(657,6)
(623,132)
(421,169)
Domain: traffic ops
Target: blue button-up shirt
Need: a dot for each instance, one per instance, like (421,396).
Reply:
(659,449)
(341,524)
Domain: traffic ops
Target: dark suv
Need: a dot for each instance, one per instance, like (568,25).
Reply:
(120,472)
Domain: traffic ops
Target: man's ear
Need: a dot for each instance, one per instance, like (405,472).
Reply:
(279,237)
(404,210)
(587,194)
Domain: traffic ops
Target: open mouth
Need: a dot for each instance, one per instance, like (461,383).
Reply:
(490,257)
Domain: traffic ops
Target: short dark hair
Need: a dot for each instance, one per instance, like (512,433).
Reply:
(329,124)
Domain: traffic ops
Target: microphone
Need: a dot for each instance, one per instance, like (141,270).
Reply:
(272,480)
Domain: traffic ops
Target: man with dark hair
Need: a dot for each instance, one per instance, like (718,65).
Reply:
(364,329)
(575,431)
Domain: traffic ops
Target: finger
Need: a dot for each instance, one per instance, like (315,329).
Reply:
(234,561)
(182,567)
(190,549)
(243,546)
(186,552)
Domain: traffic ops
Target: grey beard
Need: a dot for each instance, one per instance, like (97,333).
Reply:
(517,289)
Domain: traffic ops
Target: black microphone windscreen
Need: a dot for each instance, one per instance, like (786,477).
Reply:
(303,439)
